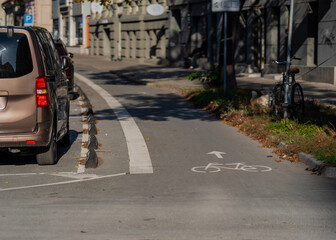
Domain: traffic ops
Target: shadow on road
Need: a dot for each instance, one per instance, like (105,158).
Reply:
(158,107)
(19,160)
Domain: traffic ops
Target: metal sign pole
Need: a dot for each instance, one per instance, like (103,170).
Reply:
(225,51)
(289,48)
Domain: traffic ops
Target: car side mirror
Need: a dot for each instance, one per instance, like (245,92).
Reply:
(64,63)
(70,55)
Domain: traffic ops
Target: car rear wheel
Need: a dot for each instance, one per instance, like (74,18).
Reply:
(49,155)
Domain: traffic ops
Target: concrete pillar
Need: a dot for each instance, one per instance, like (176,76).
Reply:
(283,32)
(220,20)
(310,51)
(142,30)
(162,46)
(147,45)
(134,7)
(153,41)
(271,35)
(72,31)
(132,38)
(249,40)
(174,32)
(210,34)
(61,26)
(116,29)
(106,42)
(185,22)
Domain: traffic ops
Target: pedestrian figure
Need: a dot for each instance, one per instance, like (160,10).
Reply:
(198,53)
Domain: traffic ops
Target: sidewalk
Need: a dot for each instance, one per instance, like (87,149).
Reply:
(174,78)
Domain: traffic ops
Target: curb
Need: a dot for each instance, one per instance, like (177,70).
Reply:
(91,156)
(317,166)
(313,164)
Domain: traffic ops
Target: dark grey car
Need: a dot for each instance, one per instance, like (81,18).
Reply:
(34,101)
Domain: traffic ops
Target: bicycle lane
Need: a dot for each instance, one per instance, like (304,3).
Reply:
(201,205)
(182,137)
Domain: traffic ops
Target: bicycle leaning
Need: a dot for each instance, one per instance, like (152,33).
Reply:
(295,98)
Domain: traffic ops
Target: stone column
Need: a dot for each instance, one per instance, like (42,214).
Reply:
(210,34)
(116,54)
(185,31)
(283,32)
(271,36)
(142,30)
(249,40)
(72,28)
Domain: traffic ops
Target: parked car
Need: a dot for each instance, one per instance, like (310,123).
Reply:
(69,67)
(34,101)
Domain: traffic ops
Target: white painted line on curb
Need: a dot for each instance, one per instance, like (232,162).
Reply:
(85,138)
(81,168)
(139,158)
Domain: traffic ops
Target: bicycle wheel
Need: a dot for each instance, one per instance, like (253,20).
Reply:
(297,101)
(206,169)
(256,168)
(278,99)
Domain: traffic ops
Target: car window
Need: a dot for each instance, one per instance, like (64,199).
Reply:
(60,49)
(15,56)
(53,51)
(46,52)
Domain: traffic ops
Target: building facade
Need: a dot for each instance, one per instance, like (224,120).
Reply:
(12,13)
(129,31)
(2,14)
(70,23)
(40,10)
(263,33)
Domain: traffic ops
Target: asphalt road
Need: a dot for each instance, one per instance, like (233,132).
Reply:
(209,181)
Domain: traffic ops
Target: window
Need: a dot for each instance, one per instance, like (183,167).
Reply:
(15,56)
(49,52)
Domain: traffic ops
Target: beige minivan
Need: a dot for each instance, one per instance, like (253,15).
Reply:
(34,101)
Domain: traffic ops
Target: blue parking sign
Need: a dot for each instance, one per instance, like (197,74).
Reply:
(28,20)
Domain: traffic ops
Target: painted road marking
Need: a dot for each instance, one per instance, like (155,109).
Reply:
(21,174)
(139,158)
(217,167)
(85,137)
(87,177)
(217,153)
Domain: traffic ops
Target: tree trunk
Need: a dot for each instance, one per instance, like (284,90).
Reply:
(233,23)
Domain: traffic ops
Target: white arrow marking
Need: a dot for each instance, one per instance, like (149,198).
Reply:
(217,153)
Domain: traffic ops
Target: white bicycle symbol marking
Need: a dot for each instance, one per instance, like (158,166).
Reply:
(217,167)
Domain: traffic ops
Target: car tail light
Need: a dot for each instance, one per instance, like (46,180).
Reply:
(42,96)
(30,141)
